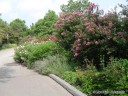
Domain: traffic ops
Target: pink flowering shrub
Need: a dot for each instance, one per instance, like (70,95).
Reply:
(90,35)
(39,40)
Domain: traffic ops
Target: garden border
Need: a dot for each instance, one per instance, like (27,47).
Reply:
(67,86)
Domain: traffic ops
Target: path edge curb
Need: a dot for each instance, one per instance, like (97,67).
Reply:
(72,90)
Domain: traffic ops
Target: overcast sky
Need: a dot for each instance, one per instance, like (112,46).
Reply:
(32,10)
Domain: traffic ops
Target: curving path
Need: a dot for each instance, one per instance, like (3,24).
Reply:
(16,80)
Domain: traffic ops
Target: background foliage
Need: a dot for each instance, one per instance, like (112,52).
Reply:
(45,26)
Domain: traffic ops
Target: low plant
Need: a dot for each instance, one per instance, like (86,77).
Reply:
(70,76)
(29,52)
(5,46)
(56,64)
(113,78)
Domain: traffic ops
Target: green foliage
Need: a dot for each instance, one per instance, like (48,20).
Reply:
(45,26)
(47,48)
(29,52)
(70,76)
(86,78)
(6,34)
(22,51)
(5,46)
(19,28)
(114,77)
(56,64)
(3,26)
(86,34)
(78,5)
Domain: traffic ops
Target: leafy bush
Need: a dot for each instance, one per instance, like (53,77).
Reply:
(5,46)
(70,76)
(38,40)
(45,26)
(56,64)
(45,49)
(30,52)
(89,33)
(28,39)
(114,77)
(22,51)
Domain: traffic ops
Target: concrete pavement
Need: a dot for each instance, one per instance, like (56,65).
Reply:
(16,80)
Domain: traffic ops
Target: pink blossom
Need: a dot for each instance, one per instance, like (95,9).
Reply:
(78,14)
(92,6)
(120,33)
(108,37)
(96,42)
(63,33)
(88,27)
(76,54)
(88,43)
(100,18)
(87,39)
(86,24)
(78,40)
(110,24)
(79,44)
(58,25)
(99,26)
(94,25)
(84,43)
(70,17)
(90,30)
(78,48)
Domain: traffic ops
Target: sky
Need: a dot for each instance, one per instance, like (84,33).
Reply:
(33,10)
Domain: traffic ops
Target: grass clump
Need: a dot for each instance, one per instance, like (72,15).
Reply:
(56,64)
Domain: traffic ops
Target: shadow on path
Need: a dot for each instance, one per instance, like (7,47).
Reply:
(5,74)
(12,64)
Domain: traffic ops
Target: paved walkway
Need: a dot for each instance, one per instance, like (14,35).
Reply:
(16,80)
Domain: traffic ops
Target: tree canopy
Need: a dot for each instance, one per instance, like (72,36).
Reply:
(45,26)
(78,5)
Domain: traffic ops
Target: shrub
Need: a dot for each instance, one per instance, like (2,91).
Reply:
(70,76)
(56,64)
(39,40)
(45,49)
(28,39)
(89,33)
(29,52)
(5,46)
(22,51)
(113,77)
(86,78)
(45,26)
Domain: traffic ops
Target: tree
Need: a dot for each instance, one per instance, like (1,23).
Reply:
(79,5)
(19,28)
(4,32)
(124,16)
(45,26)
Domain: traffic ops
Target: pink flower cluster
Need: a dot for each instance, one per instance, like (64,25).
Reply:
(92,6)
(87,31)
